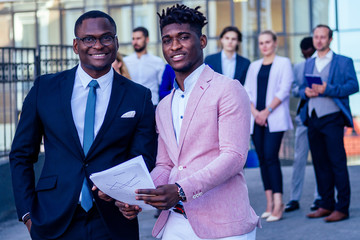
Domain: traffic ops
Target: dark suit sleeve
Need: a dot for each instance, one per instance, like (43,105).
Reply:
(210,60)
(24,153)
(244,65)
(304,82)
(167,82)
(144,140)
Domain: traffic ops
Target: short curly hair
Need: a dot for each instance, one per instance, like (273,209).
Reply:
(181,14)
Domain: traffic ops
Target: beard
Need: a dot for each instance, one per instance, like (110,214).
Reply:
(140,48)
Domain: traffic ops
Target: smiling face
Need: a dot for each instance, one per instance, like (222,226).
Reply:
(182,48)
(96,60)
(267,45)
(229,41)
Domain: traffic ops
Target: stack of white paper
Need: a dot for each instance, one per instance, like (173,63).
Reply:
(121,181)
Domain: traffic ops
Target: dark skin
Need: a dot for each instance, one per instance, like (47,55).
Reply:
(96,60)
(183,50)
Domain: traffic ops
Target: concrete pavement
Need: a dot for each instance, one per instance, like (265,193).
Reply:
(294,225)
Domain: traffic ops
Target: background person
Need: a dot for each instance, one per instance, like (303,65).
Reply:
(145,68)
(120,67)
(167,82)
(91,119)
(268,83)
(301,139)
(326,113)
(228,62)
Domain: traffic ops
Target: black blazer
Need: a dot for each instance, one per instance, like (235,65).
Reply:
(242,65)
(47,114)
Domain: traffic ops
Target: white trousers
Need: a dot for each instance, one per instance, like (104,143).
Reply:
(179,228)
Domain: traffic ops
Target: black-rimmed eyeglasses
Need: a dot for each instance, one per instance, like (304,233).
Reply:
(90,41)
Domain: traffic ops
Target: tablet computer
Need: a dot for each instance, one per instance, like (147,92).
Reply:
(312,79)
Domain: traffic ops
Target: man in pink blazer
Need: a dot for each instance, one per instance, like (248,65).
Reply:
(204,131)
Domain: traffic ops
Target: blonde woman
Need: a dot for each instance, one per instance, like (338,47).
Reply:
(120,66)
(268,82)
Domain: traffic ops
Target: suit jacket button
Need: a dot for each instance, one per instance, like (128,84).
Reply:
(86,164)
(180,168)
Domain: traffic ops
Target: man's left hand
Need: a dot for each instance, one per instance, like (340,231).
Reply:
(163,197)
(129,211)
(102,195)
(319,88)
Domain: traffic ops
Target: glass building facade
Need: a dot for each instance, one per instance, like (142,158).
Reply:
(30,23)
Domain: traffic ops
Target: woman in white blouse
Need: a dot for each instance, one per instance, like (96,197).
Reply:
(268,82)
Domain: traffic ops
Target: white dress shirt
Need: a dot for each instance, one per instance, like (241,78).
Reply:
(228,65)
(320,63)
(79,99)
(147,71)
(180,99)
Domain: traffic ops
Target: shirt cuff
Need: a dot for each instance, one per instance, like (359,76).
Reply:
(25,217)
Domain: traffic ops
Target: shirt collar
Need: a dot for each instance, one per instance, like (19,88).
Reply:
(190,80)
(103,81)
(223,56)
(329,55)
(142,56)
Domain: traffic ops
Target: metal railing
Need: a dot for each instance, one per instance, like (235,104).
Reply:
(19,67)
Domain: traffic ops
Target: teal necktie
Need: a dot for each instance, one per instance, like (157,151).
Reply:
(86,197)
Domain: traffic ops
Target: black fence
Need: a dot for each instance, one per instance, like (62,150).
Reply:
(18,69)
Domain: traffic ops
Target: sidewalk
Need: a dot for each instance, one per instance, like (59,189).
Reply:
(294,225)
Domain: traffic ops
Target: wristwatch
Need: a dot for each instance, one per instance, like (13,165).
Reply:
(270,109)
(181,193)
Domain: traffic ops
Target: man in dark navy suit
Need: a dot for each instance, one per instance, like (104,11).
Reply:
(91,119)
(228,62)
(326,113)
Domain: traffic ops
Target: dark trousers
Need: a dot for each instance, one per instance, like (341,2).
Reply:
(267,146)
(326,139)
(84,226)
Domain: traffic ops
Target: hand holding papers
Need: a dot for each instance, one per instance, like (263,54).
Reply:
(312,79)
(121,181)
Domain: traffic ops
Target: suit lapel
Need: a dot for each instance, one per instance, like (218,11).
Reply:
(309,67)
(199,89)
(332,68)
(117,94)
(66,89)
(238,66)
(219,66)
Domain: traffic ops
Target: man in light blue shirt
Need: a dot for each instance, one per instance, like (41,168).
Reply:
(145,68)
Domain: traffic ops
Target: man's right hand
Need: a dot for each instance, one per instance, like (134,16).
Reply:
(28,224)
(129,211)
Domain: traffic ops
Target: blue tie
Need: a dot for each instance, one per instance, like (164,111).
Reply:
(86,198)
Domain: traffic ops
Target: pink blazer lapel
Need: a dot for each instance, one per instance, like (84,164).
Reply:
(199,89)
(168,125)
